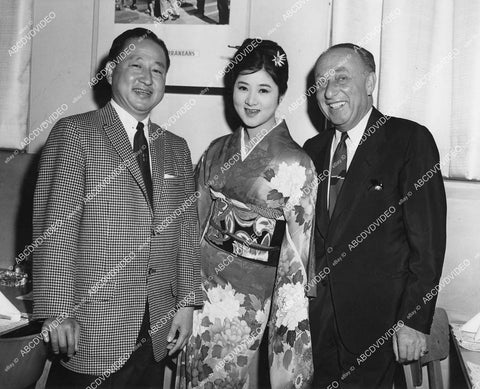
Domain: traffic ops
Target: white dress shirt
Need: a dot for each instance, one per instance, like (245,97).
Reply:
(130,125)
(352,142)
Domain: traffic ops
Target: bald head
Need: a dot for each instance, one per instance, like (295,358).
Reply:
(365,55)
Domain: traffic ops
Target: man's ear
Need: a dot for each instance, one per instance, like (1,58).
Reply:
(109,70)
(370,82)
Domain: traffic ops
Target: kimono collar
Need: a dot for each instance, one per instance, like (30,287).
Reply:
(247,147)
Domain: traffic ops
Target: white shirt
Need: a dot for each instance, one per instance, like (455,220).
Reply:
(352,142)
(130,125)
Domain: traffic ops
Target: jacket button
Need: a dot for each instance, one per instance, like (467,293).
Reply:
(329,250)
(151,270)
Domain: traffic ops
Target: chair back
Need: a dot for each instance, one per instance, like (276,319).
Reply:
(438,347)
(22,357)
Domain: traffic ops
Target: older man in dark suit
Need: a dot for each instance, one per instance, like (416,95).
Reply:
(118,280)
(380,229)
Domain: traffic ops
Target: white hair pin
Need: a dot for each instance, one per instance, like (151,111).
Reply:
(279,59)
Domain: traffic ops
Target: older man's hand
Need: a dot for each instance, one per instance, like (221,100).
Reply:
(63,337)
(183,323)
(409,344)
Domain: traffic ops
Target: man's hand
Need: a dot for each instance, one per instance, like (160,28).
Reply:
(183,323)
(63,338)
(409,344)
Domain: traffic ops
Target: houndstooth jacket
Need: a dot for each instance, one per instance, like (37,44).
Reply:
(110,249)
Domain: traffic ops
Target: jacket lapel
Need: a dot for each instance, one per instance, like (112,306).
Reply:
(115,131)
(157,152)
(360,170)
(323,163)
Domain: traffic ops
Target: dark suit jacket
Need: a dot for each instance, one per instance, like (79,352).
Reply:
(112,249)
(382,267)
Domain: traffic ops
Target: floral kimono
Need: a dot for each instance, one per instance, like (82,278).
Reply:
(257,208)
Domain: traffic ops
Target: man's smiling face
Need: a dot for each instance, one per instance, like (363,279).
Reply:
(138,81)
(344,98)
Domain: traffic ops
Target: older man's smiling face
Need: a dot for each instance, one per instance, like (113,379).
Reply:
(344,98)
(138,82)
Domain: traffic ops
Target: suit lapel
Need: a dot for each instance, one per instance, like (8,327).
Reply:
(157,152)
(360,170)
(323,164)
(115,131)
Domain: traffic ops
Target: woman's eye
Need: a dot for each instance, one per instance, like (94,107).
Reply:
(241,87)
(263,90)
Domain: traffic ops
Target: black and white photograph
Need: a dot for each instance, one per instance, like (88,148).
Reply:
(241,194)
(172,11)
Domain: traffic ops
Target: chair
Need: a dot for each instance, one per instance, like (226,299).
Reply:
(21,369)
(439,347)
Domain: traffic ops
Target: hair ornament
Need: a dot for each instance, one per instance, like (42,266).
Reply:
(279,59)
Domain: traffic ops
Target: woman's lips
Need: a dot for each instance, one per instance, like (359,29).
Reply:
(251,112)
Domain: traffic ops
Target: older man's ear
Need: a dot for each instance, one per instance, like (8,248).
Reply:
(109,69)
(371,80)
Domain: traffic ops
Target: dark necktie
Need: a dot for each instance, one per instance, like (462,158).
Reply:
(140,148)
(338,172)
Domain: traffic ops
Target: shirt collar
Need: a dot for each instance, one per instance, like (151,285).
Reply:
(127,119)
(356,133)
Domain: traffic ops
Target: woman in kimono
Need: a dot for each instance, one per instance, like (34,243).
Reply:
(256,202)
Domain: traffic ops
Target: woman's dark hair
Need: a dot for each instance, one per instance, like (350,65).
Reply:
(120,42)
(256,54)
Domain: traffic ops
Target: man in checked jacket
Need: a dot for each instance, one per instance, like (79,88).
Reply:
(118,280)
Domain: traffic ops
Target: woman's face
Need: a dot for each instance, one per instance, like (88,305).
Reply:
(256,98)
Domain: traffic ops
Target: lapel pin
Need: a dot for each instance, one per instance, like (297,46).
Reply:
(376,185)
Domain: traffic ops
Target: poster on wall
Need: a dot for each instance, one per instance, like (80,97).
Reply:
(172,11)
(199,34)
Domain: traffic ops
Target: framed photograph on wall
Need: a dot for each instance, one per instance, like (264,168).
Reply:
(198,34)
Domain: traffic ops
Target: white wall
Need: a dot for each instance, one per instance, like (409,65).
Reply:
(461,296)
(61,61)
(204,122)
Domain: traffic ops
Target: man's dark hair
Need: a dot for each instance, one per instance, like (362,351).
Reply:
(364,54)
(120,42)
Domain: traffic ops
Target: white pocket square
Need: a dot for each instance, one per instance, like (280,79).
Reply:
(169,176)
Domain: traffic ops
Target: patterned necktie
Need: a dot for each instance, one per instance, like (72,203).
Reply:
(338,172)
(140,148)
